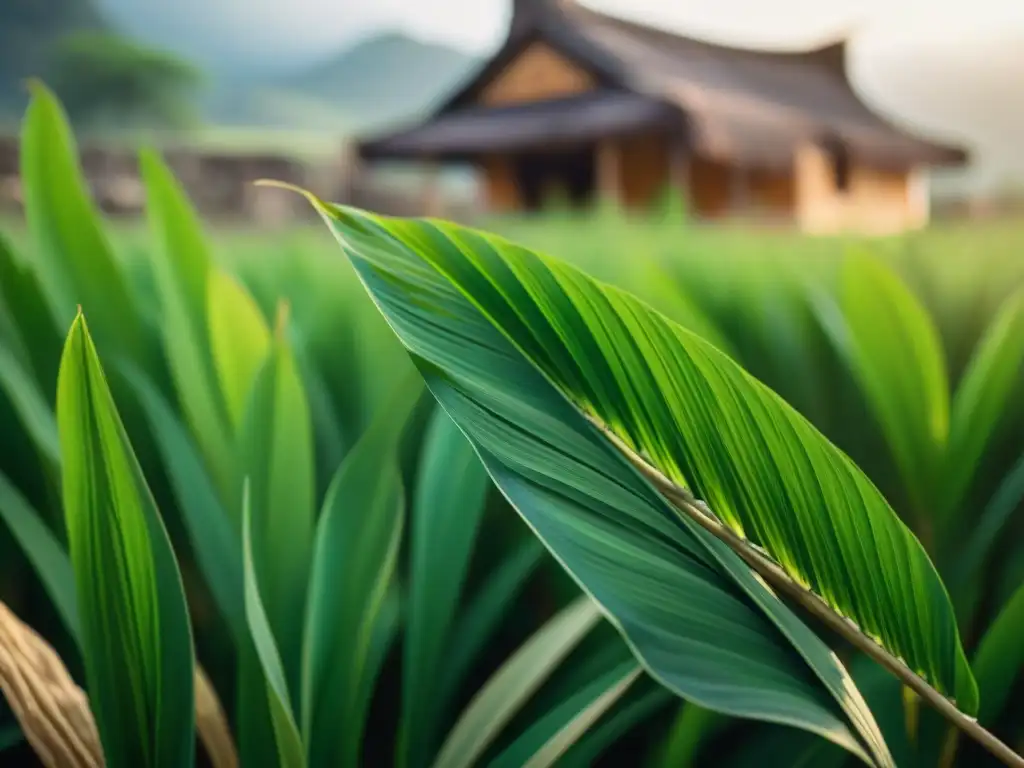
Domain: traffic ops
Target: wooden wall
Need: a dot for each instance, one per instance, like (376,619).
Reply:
(719,189)
(710,196)
(499,184)
(644,170)
(538,73)
(876,201)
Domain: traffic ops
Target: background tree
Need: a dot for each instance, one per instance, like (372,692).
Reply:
(29,33)
(106,80)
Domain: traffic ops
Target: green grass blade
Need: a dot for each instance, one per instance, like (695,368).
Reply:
(1000,657)
(276,445)
(976,543)
(644,699)
(136,638)
(38,334)
(449,503)
(482,617)
(357,542)
(240,339)
(75,263)
(215,541)
(31,406)
(550,737)
(513,684)
(182,267)
(896,355)
(385,633)
(328,429)
(44,552)
(286,733)
(691,728)
(981,399)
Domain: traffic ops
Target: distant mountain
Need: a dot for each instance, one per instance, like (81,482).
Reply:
(380,80)
(390,75)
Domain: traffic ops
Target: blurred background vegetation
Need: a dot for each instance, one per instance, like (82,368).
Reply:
(747,291)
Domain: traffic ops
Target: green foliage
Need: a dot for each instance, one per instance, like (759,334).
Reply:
(106,80)
(312,586)
(369,597)
(135,632)
(562,382)
(29,35)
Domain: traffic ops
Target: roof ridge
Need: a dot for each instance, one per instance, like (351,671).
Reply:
(829,40)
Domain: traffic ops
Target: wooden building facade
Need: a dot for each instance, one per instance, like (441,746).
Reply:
(581,104)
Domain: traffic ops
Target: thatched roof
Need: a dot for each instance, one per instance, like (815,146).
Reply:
(737,104)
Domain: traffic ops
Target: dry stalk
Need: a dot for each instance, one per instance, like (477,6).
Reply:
(54,713)
(52,710)
(212,725)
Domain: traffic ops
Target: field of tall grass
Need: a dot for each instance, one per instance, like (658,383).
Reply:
(231,508)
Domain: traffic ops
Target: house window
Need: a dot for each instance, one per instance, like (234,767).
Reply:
(840,167)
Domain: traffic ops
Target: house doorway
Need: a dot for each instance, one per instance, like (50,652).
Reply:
(562,178)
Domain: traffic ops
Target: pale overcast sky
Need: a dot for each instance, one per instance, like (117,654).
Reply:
(306,29)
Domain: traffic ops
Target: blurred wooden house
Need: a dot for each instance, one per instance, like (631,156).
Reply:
(588,104)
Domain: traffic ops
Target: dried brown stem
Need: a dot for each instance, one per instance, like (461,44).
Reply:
(213,725)
(778,579)
(52,710)
(54,713)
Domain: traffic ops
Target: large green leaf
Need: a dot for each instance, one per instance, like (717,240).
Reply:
(276,444)
(75,263)
(135,634)
(446,514)
(518,347)
(980,400)
(182,267)
(1000,657)
(356,551)
(513,684)
(282,717)
(894,350)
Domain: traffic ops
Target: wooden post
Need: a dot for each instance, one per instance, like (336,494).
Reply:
(918,197)
(432,204)
(351,166)
(739,191)
(679,171)
(608,173)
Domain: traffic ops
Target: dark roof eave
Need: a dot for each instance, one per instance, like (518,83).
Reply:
(477,131)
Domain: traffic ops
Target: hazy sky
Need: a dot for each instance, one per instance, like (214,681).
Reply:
(950,68)
(258,30)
